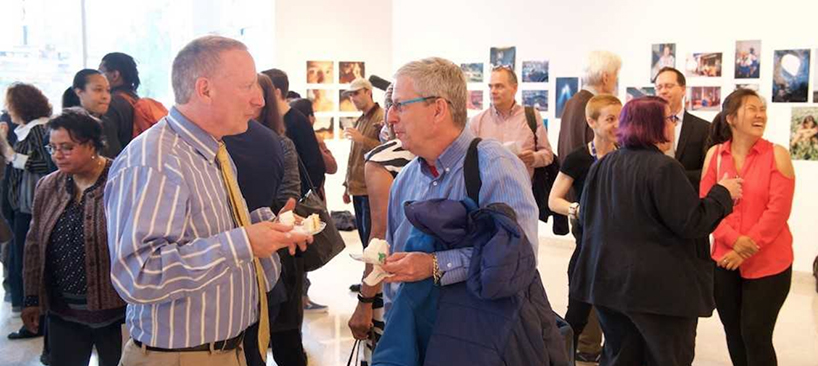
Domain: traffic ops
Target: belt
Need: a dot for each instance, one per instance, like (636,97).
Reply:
(225,345)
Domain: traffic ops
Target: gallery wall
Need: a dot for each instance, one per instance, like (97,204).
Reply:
(563,32)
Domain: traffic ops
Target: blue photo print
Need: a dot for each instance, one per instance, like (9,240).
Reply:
(566,88)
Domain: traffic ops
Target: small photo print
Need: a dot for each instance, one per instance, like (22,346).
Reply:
(473,72)
(321,100)
(815,82)
(662,55)
(503,56)
(320,72)
(324,128)
(804,133)
(535,71)
(791,76)
(475,101)
(748,59)
(753,87)
(344,103)
(703,64)
(344,122)
(537,99)
(633,93)
(350,70)
(566,88)
(704,98)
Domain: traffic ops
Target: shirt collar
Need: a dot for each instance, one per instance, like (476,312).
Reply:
(454,153)
(511,110)
(194,135)
(591,90)
(22,130)
(757,147)
(680,117)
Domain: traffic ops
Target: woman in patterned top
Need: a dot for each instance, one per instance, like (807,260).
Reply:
(67,264)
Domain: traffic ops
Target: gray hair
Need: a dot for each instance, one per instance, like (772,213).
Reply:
(599,63)
(439,77)
(197,59)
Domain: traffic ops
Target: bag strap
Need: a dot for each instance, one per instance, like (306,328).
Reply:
(471,172)
(532,123)
(304,173)
(355,347)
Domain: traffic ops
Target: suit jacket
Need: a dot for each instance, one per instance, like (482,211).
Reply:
(660,266)
(574,130)
(691,149)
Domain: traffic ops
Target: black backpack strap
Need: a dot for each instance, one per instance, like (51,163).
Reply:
(532,123)
(471,172)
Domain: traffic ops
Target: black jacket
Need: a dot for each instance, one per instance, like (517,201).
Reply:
(642,248)
(691,149)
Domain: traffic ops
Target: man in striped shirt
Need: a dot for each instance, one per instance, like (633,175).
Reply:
(178,256)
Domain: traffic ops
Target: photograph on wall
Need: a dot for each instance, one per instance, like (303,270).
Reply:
(321,100)
(350,70)
(633,93)
(473,72)
(475,101)
(320,72)
(566,88)
(703,64)
(344,103)
(324,128)
(804,133)
(662,55)
(748,54)
(535,71)
(704,98)
(790,76)
(503,56)
(344,122)
(753,87)
(815,81)
(537,99)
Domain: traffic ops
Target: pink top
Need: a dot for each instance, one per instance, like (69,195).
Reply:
(490,124)
(761,213)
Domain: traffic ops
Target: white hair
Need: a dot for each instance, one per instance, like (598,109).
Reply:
(599,63)
(439,77)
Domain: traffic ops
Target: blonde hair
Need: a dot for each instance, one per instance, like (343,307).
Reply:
(439,77)
(594,107)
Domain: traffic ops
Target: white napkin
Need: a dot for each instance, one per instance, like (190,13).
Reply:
(374,254)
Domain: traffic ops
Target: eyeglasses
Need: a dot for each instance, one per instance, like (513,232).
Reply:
(665,86)
(65,149)
(399,106)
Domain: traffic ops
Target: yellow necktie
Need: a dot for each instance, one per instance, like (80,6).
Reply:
(242,218)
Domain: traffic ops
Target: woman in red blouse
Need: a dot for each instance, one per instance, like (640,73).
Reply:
(753,245)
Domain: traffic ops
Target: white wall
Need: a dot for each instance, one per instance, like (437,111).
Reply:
(563,32)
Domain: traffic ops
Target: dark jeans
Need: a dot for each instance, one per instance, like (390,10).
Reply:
(71,343)
(748,309)
(646,339)
(362,217)
(20,224)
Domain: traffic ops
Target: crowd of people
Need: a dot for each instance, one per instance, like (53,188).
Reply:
(173,226)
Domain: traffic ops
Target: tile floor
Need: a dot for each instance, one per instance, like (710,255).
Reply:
(328,341)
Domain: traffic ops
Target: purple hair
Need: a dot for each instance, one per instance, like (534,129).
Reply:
(642,123)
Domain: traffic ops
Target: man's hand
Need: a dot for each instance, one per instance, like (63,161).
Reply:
(409,267)
(266,238)
(361,321)
(527,157)
(31,318)
(347,199)
(731,261)
(353,134)
(745,247)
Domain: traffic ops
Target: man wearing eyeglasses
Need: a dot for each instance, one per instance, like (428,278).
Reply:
(506,122)
(689,146)
(364,136)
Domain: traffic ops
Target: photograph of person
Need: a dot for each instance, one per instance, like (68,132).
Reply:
(324,128)
(790,76)
(344,103)
(321,100)
(537,99)
(748,54)
(475,101)
(350,70)
(704,98)
(320,72)
(535,71)
(804,135)
(473,72)
(632,93)
(662,55)
(566,88)
(703,64)
(505,56)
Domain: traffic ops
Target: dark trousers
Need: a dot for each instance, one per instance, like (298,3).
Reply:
(748,309)
(577,316)
(20,224)
(71,343)
(646,339)
(286,344)
(362,217)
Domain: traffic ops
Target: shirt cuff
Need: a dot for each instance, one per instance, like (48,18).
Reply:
(454,264)
(262,214)
(19,161)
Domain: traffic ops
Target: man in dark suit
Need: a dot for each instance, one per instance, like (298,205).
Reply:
(689,147)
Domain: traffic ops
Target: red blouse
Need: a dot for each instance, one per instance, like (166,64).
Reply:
(761,213)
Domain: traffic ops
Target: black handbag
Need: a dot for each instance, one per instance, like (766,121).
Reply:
(326,244)
(543,180)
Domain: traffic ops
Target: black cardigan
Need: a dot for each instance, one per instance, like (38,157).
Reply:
(645,247)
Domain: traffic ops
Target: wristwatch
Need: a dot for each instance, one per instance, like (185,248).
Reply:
(573,210)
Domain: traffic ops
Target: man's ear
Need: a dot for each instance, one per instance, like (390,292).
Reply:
(203,90)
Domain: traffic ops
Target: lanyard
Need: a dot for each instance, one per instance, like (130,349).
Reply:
(593,151)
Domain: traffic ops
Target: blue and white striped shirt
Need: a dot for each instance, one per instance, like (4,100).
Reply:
(505,179)
(177,258)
